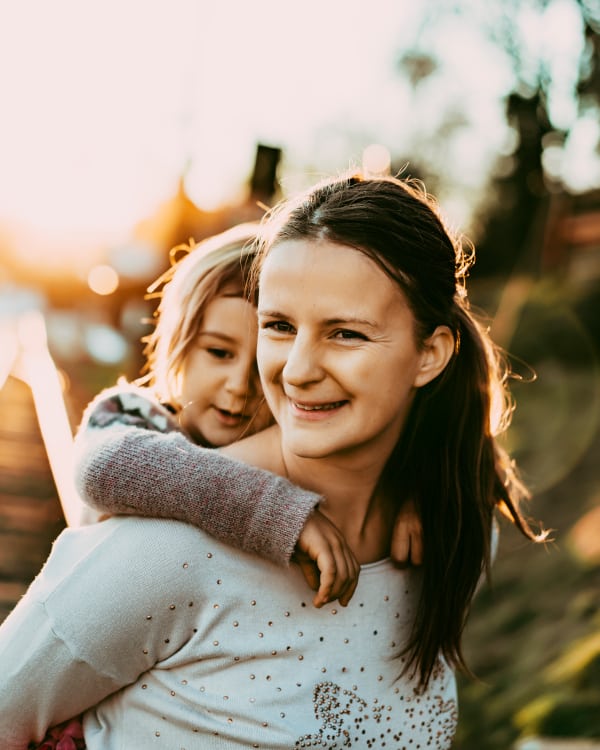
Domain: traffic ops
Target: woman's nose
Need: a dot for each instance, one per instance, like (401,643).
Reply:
(302,364)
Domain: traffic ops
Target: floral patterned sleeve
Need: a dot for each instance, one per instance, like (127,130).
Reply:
(131,457)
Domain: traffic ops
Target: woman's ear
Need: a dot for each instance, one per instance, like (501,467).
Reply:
(437,352)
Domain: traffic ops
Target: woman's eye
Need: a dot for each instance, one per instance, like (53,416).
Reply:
(281,326)
(346,334)
(217,353)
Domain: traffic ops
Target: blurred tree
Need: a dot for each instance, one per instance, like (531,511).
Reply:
(517,208)
(522,201)
(555,86)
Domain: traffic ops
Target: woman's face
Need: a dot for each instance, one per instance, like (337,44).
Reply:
(220,391)
(336,350)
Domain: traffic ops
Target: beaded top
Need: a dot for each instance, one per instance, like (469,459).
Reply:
(212,647)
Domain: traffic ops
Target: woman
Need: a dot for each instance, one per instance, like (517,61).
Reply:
(375,370)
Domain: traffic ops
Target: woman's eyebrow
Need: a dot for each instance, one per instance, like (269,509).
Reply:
(272,313)
(350,321)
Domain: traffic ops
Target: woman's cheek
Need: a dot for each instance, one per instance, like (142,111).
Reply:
(270,357)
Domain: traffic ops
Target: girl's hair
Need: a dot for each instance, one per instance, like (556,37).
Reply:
(218,266)
(447,459)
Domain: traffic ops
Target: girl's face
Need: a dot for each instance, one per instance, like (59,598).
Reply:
(336,350)
(220,392)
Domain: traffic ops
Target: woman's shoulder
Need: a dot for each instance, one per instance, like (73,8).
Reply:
(262,450)
(114,586)
(122,553)
(137,533)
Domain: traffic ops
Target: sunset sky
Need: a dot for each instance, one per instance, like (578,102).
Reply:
(105,103)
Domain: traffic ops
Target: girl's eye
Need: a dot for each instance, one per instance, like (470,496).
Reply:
(217,353)
(347,335)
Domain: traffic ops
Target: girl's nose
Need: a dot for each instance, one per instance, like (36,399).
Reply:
(239,379)
(243,379)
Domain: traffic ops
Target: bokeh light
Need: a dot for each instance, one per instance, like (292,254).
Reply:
(376,159)
(103,279)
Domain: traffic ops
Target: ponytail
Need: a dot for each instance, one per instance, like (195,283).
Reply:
(449,462)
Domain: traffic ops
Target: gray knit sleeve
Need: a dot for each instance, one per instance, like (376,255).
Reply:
(126,464)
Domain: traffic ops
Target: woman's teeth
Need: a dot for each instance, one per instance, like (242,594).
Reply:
(320,407)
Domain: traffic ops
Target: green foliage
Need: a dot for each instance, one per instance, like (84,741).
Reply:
(533,637)
(559,324)
(569,707)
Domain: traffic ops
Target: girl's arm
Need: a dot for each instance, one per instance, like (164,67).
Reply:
(132,458)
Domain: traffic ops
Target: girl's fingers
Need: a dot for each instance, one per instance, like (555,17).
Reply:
(401,544)
(339,576)
(326,561)
(416,549)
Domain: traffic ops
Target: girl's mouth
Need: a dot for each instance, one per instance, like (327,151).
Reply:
(229,418)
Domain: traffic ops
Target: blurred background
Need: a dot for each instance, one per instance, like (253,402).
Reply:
(130,126)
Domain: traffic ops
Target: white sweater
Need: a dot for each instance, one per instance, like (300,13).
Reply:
(181,642)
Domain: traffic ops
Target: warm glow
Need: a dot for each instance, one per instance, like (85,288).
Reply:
(376,160)
(103,279)
(38,370)
(8,351)
(95,141)
(108,105)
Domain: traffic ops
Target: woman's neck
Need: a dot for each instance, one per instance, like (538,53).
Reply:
(355,500)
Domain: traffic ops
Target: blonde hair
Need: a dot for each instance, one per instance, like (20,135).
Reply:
(217,266)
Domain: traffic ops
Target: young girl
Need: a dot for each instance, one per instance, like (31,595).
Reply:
(378,397)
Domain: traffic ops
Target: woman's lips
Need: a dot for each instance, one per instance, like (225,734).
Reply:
(315,411)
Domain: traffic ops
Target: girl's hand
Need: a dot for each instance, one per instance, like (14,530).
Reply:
(326,561)
(407,538)
(68,735)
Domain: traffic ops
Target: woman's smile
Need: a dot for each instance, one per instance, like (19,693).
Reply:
(316,411)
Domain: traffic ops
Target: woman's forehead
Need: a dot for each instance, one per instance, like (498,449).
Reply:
(295,254)
(338,279)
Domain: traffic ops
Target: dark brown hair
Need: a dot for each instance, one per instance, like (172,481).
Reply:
(448,459)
